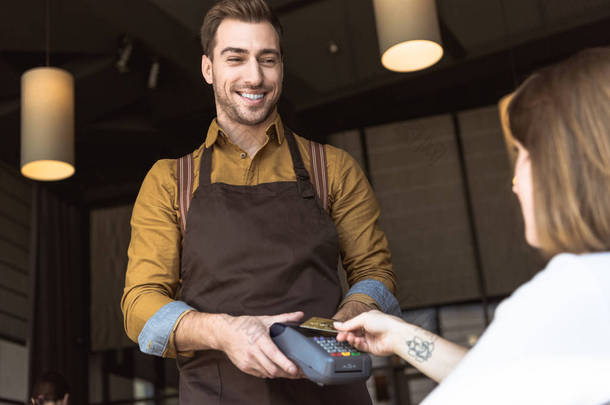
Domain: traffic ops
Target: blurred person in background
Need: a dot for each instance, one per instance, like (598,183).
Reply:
(549,342)
(50,389)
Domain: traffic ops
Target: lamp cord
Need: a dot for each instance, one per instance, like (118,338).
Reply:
(48,31)
(507,36)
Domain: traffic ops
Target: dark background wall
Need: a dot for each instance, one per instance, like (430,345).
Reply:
(15,282)
(490,45)
(15,218)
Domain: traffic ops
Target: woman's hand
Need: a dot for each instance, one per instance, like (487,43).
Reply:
(381,334)
(373,332)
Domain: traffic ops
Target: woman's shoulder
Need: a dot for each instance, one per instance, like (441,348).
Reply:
(567,284)
(587,276)
(594,260)
(572,268)
(591,268)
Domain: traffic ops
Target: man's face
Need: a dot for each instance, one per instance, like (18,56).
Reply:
(246,71)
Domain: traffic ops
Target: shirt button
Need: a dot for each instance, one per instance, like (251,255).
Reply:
(243,155)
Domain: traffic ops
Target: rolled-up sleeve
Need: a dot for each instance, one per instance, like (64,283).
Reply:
(152,277)
(364,247)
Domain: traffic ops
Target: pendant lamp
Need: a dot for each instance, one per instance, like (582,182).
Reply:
(47,121)
(408,33)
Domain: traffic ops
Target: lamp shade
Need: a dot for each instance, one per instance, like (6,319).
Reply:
(408,33)
(47,124)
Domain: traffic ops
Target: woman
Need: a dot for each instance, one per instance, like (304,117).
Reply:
(550,341)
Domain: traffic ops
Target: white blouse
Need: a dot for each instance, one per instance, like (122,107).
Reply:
(549,342)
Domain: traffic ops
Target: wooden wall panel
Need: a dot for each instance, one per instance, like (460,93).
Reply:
(14,279)
(14,304)
(15,232)
(13,256)
(507,260)
(12,183)
(415,170)
(14,209)
(15,217)
(110,233)
(13,329)
(14,365)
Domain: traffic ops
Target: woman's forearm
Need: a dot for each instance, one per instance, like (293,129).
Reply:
(429,353)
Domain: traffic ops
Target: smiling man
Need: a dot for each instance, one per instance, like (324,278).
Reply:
(269,215)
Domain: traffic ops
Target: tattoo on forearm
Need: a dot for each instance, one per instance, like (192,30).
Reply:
(419,349)
(251,326)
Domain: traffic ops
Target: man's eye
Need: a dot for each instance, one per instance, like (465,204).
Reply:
(269,61)
(234,59)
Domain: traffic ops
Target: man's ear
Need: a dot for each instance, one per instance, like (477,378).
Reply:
(206,69)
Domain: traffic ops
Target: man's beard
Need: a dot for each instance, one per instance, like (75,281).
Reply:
(242,114)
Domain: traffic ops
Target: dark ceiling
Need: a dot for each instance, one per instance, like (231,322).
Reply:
(123,125)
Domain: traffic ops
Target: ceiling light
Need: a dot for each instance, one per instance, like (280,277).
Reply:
(408,33)
(47,121)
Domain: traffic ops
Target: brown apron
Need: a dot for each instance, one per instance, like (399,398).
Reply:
(258,250)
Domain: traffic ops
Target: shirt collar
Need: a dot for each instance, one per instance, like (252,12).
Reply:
(275,131)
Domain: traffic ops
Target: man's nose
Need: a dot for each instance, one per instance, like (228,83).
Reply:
(254,74)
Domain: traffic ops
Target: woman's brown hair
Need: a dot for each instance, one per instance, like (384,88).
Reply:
(252,11)
(561,116)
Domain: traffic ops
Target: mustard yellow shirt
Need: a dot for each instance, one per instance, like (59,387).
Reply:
(152,277)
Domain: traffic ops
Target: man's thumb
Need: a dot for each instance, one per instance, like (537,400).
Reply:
(288,317)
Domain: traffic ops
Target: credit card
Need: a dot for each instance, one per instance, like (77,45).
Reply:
(319,324)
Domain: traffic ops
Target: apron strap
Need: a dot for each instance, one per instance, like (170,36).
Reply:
(205,166)
(184,172)
(319,172)
(304,185)
(319,177)
(185,178)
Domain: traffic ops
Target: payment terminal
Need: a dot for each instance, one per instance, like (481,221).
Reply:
(322,358)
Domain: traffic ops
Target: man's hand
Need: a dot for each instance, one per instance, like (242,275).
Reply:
(350,310)
(246,341)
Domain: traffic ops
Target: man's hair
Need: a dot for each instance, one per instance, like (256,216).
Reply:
(56,382)
(251,11)
(561,116)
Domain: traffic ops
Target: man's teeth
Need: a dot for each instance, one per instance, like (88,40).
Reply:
(252,96)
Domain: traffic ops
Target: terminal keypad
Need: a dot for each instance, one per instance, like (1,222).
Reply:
(335,348)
